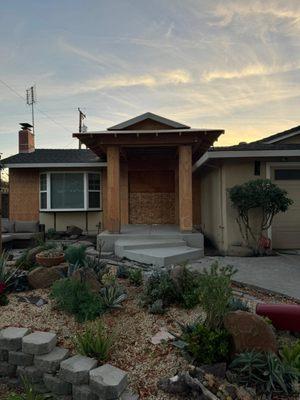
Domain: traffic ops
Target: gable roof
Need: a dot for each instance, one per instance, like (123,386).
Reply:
(281,135)
(148,115)
(53,157)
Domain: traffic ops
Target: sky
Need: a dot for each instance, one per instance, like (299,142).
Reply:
(233,65)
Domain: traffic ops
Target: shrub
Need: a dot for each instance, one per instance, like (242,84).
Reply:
(159,286)
(206,346)
(290,355)
(215,294)
(94,342)
(259,194)
(187,288)
(76,298)
(236,304)
(264,371)
(76,255)
(52,234)
(136,276)
(157,307)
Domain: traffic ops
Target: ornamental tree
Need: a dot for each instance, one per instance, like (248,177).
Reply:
(267,199)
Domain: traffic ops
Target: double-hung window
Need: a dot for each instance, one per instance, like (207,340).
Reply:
(70,191)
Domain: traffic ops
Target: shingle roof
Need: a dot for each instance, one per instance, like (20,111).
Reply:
(257,146)
(53,156)
(280,135)
(148,115)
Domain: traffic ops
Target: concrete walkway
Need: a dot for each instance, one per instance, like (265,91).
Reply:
(279,274)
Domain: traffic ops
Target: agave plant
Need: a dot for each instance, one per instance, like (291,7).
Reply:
(112,296)
(5,274)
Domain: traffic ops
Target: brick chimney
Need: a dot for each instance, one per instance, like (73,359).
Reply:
(26,139)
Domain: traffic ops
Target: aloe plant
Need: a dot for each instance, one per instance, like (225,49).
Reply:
(112,296)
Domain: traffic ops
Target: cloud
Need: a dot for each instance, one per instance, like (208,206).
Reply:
(249,71)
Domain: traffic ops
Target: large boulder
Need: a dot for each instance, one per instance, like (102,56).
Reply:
(88,276)
(250,332)
(43,277)
(74,230)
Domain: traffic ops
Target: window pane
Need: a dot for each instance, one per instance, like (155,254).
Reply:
(67,191)
(94,181)
(94,199)
(43,200)
(43,182)
(287,174)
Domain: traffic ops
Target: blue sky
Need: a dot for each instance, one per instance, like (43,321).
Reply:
(217,64)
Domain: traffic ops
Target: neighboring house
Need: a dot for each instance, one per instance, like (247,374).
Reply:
(276,157)
(151,170)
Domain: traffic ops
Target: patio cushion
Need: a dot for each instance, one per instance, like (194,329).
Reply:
(23,235)
(8,225)
(4,229)
(6,238)
(26,226)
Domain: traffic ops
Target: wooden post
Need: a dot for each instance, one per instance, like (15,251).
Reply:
(113,189)
(185,189)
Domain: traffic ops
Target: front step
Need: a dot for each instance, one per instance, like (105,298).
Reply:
(122,245)
(163,256)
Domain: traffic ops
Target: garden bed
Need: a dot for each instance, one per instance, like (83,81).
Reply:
(133,327)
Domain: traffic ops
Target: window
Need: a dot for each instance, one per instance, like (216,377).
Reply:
(287,174)
(63,191)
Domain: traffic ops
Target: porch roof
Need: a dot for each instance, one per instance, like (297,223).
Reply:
(199,139)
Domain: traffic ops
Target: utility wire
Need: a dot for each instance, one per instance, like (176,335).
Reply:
(41,111)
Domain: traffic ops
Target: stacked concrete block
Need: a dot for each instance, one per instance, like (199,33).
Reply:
(35,357)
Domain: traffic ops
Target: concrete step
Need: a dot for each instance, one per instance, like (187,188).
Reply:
(134,244)
(163,256)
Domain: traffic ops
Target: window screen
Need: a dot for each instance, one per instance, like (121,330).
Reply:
(94,190)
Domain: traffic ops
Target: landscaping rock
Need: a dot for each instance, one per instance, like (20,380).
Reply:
(11,338)
(39,343)
(89,277)
(19,358)
(33,374)
(7,369)
(74,230)
(43,277)
(50,362)
(40,388)
(85,243)
(76,369)
(83,392)
(250,332)
(162,336)
(108,381)
(56,385)
(3,355)
(129,395)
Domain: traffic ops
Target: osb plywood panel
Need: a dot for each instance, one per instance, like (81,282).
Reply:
(24,195)
(151,182)
(152,208)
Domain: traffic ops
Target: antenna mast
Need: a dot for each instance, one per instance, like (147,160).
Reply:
(30,100)
(82,127)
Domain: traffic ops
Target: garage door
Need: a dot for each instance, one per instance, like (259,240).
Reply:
(286,226)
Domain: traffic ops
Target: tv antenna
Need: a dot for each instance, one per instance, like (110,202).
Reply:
(82,127)
(30,100)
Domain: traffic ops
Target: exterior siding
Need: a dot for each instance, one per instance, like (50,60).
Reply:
(24,194)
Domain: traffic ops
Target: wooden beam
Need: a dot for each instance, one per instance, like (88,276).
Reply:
(113,189)
(124,199)
(185,189)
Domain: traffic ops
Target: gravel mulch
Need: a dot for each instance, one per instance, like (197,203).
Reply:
(132,326)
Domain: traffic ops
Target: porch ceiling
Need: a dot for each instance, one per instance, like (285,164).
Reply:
(199,139)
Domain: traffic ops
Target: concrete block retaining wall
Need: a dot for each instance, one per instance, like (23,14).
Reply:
(50,369)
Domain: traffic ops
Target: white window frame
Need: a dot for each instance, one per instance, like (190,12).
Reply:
(85,191)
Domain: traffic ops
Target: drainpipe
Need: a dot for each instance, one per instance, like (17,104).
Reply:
(223,211)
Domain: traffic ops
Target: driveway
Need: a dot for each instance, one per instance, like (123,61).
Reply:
(279,274)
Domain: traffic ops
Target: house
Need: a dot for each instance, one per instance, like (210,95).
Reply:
(150,170)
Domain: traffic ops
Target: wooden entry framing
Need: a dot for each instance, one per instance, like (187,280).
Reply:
(184,146)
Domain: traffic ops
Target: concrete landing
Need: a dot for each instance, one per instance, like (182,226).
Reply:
(163,256)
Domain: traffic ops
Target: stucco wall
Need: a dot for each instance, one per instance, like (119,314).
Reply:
(211,211)
(64,219)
